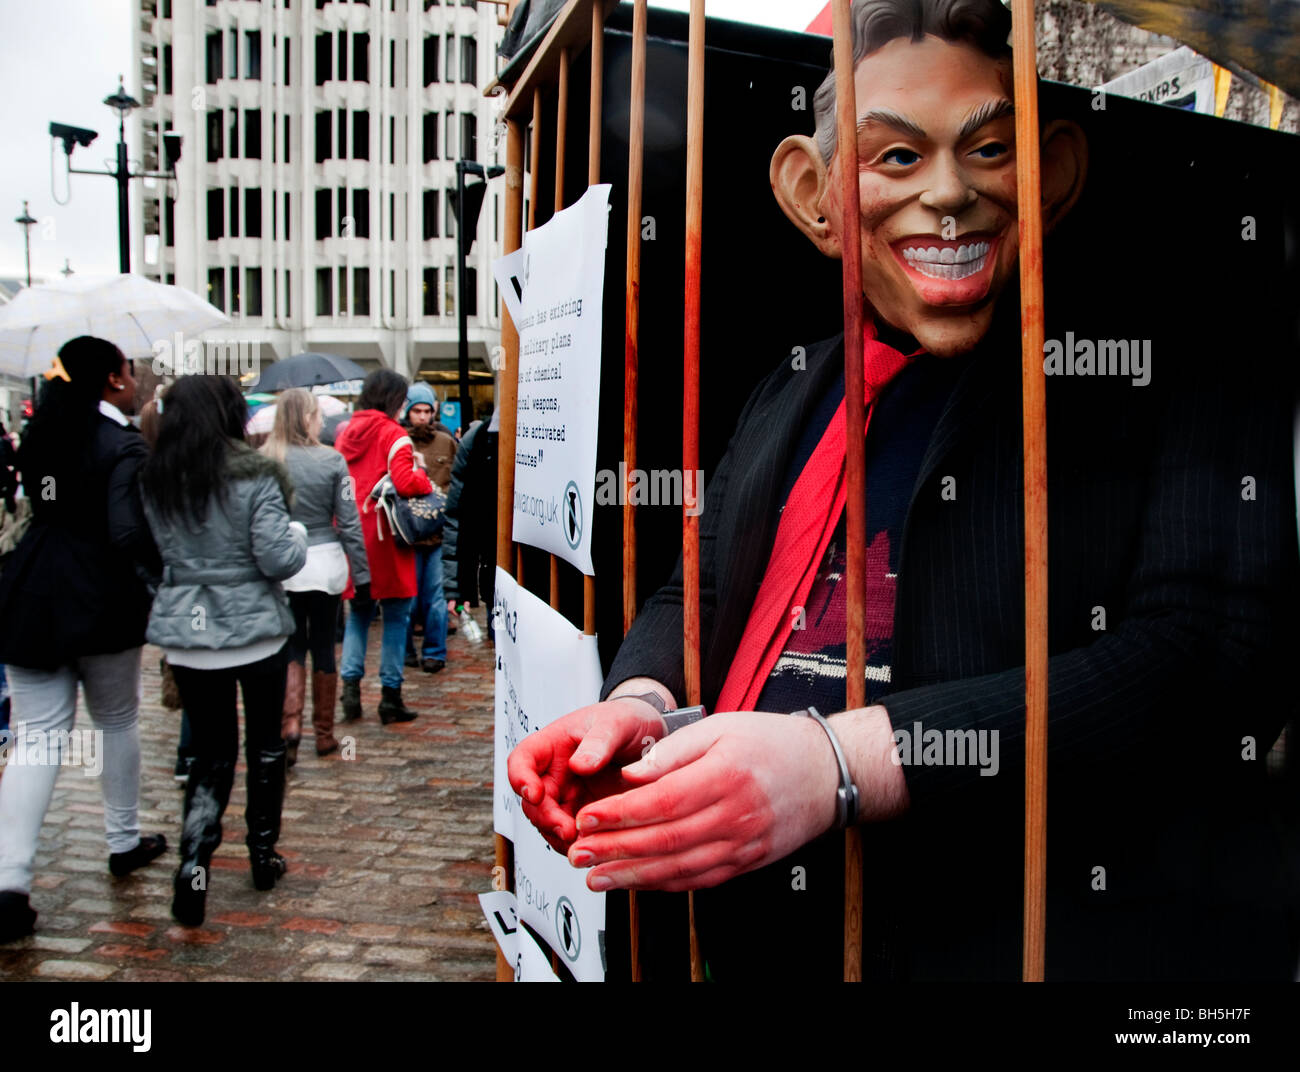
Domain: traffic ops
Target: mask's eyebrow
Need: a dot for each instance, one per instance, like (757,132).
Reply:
(890,119)
(985,113)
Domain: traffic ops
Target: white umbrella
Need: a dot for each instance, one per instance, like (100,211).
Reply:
(264,418)
(128,310)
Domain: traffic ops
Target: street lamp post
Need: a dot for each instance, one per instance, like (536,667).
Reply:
(469,203)
(123,104)
(26,222)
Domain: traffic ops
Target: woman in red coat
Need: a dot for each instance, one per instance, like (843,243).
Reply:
(373,443)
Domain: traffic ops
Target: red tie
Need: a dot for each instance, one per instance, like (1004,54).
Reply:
(802,536)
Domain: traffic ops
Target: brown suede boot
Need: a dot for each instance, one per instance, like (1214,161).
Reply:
(324,694)
(295,697)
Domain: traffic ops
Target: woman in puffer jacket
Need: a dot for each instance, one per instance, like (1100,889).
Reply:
(219,513)
(373,443)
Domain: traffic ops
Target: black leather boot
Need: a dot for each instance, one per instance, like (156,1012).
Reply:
(266,774)
(391,707)
(206,794)
(351,700)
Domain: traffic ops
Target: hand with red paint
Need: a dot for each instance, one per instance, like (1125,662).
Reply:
(578,759)
(730,794)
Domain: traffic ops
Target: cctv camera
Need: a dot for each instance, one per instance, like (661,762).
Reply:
(69,134)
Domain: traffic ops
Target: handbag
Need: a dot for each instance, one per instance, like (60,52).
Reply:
(411,521)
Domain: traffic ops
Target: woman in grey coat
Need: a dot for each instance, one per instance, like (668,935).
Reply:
(219,513)
(325,502)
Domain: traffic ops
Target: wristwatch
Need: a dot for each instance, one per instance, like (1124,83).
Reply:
(846,796)
(674,719)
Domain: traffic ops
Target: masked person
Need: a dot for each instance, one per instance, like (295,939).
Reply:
(74,601)
(1147,523)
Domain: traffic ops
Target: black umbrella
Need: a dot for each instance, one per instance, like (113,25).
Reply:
(332,426)
(308,370)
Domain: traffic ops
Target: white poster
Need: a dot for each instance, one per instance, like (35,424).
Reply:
(1181,79)
(553,287)
(545,668)
(503,920)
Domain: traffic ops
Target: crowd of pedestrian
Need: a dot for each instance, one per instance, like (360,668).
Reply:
(235,559)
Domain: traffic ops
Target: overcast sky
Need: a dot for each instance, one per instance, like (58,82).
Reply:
(60,58)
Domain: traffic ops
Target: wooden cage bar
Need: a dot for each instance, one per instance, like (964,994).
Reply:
(631,365)
(1034,389)
(855,462)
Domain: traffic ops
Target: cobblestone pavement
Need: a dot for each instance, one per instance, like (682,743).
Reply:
(387,853)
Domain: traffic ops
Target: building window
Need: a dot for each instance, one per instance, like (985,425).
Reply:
(343,291)
(287,43)
(360,135)
(253,212)
(392,64)
(392,217)
(217,287)
(324,215)
(253,134)
(216,214)
(430,59)
(253,289)
(468,60)
(232,69)
(449,128)
(343,133)
(288,291)
(361,291)
(449,291)
(343,77)
(392,139)
(361,213)
(431,292)
(430,136)
(449,72)
(234,289)
(468,136)
(212,57)
(361,57)
(324,292)
(169,221)
(287,141)
(287,235)
(167,69)
(430,214)
(450,201)
(324,136)
(234,214)
(342,203)
(323,58)
(234,133)
(392,294)
(215,130)
(253,49)
(471,291)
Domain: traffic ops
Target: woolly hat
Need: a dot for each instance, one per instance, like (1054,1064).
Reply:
(420,394)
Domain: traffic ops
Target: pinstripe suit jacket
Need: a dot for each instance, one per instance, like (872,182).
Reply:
(1172,578)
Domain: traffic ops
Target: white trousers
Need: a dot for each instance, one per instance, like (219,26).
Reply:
(44,708)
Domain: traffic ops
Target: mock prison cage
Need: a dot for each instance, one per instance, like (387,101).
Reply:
(672,145)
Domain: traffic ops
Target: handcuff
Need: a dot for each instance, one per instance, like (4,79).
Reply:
(847,800)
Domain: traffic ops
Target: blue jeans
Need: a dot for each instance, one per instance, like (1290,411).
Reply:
(397,612)
(430,605)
